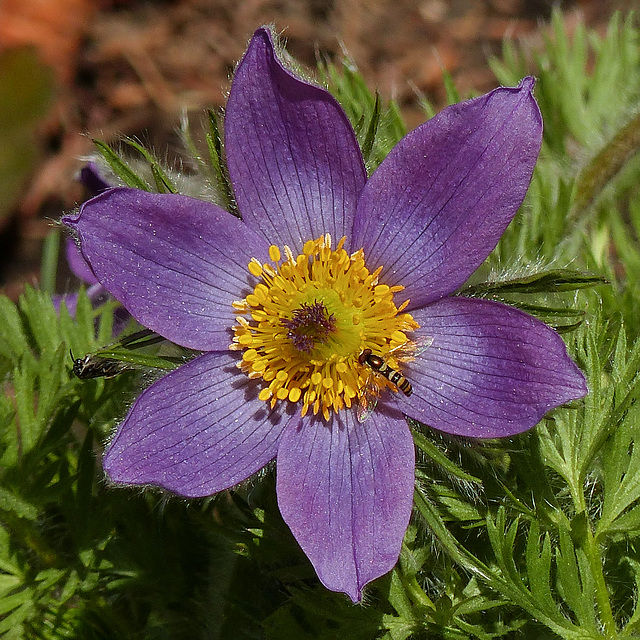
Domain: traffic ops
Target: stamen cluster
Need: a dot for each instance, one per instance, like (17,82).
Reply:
(307,321)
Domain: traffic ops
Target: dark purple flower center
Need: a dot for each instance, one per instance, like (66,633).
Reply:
(309,325)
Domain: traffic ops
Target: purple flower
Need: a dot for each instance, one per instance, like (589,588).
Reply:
(324,265)
(91,177)
(82,271)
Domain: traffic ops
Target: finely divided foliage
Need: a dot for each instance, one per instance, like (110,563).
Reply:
(330,253)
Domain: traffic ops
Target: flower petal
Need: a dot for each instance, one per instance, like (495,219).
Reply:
(91,177)
(293,157)
(346,491)
(70,301)
(439,202)
(175,263)
(491,371)
(198,430)
(78,265)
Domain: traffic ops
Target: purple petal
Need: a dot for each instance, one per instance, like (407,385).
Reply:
(175,263)
(96,293)
(346,489)
(198,430)
(293,157)
(70,302)
(440,201)
(491,371)
(78,265)
(91,177)
(121,318)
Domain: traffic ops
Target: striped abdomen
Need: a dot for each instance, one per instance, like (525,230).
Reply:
(380,366)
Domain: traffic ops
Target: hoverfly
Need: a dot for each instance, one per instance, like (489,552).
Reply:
(380,366)
(92,366)
(95,365)
(369,396)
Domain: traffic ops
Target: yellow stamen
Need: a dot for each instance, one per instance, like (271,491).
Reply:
(308,320)
(274,253)
(255,268)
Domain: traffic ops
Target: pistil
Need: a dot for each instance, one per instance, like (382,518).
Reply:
(310,324)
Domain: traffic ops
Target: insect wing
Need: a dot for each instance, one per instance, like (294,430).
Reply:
(409,350)
(421,345)
(366,403)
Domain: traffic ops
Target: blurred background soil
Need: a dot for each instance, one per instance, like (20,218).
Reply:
(71,70)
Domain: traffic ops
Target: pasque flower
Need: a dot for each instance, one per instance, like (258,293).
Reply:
(90,177)
(332,291)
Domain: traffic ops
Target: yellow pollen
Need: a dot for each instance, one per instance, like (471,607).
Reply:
(255,268)
(265,394)
(274,253)
(307,321)
(294,394)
